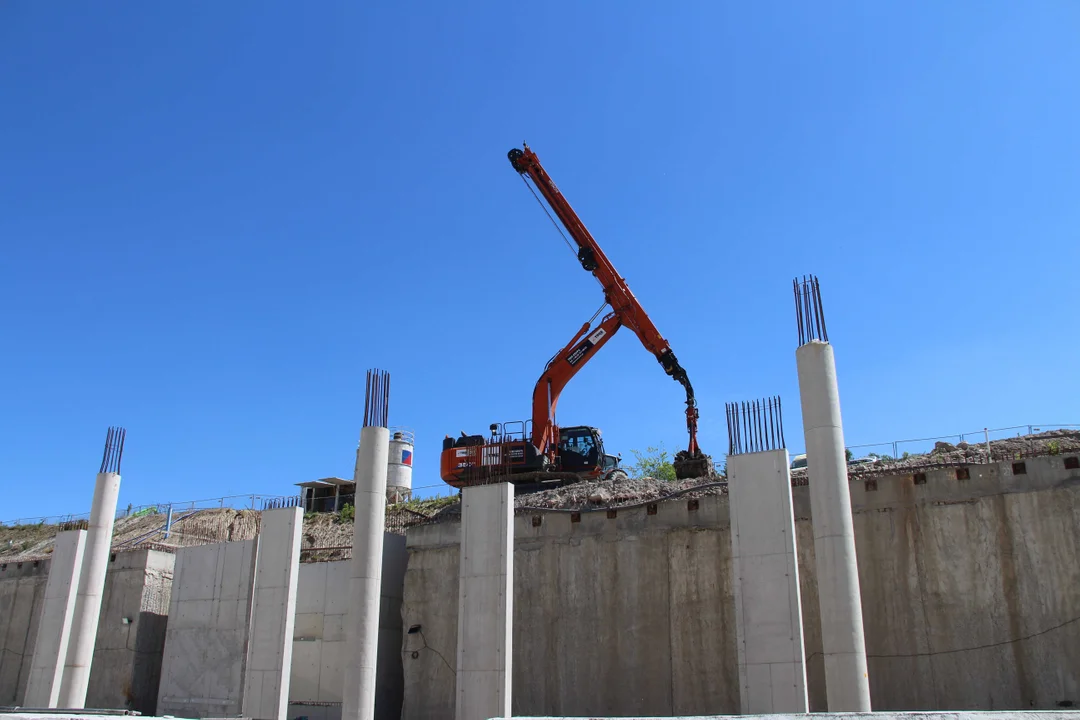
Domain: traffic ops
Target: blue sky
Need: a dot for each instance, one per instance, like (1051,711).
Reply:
(216,216)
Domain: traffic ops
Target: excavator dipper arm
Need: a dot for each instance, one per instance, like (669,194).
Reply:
(625,307)
(559,371)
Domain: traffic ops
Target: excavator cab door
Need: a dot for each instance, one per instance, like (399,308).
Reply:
(580,449)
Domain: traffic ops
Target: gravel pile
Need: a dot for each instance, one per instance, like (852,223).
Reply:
(608,494)
(1051,442)
(615,493)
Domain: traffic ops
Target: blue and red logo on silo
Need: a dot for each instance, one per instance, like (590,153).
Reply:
(406,457)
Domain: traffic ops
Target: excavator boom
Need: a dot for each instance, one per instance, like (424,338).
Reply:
(626,311)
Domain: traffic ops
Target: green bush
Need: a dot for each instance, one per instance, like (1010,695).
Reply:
(654,463)
(347,513)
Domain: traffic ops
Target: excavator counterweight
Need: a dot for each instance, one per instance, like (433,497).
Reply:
(540,450)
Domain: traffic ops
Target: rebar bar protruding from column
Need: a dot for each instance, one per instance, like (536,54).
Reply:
(114,450)
(809,312)
(755,426)
(377,399)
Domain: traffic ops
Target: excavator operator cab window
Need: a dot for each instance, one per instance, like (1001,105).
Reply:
(578,449)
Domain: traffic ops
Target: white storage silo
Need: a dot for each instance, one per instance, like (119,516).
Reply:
(399,465)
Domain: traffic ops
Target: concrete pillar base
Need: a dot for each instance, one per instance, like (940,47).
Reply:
(847,684)
(358,697)
(273,615)
(485,602)
(84,624)
(772,665)
(54,631)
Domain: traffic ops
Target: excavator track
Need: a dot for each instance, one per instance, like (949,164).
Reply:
(539,480)
(546,479)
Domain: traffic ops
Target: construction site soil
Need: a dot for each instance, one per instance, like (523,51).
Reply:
(199,527)
(1051,442)
(602,495)
(328,536)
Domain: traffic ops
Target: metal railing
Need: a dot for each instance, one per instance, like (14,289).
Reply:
(921,446)
(974,437)
(250,501)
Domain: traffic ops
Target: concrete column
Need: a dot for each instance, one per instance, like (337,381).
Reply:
(768,610)
(54,630)
(847,684)
(84,625)
(485,602)
(362,638)
(273,615)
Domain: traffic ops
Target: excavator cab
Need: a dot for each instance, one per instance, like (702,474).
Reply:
(581,450)
(472,459)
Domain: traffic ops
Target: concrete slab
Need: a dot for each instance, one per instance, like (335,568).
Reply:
(54,631)
(273,615)
(772,670)
(485,602)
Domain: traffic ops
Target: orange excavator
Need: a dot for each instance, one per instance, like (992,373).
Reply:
(539,452)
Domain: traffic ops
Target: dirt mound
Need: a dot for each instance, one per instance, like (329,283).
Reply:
(197,527)
(1051,442)
(602,495)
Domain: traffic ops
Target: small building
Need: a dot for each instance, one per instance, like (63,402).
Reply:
(326,494)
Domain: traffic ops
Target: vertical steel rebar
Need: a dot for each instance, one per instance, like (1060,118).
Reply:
(377,399)
(798,311)
(783,443)
(760,425)
(821,311)
(809,310)
(755,425)
(114,450)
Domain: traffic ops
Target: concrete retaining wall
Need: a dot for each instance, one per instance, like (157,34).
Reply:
(974,563)
(207,634)
(22,595)
(127,656)
(319,637)
(126,669)
(971,600)
(206,640)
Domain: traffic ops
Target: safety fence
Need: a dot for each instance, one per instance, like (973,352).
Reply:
(919,446)
(251,501)
(327,536)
